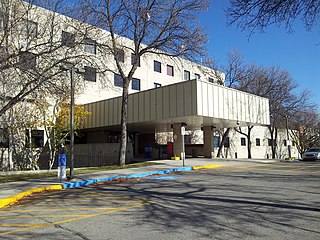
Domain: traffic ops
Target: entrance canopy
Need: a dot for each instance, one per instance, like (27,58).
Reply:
(196,103)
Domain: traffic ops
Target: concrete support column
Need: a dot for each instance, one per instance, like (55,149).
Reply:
(177,139)
(208,142)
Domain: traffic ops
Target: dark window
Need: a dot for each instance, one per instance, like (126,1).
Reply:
(118,81)
(197,76)
(258,143)
(68,39)
(170,71)
(37,138)
(4,140)
(272,142)
(216,141)
(132,59)
(119,54)
(211,80)
(27,60)
(90,46)
(90,74)
(157,85)
(285,143)
(243,141)
(157,66)
(30,29)
(136,84)
(226,142)
(186,75)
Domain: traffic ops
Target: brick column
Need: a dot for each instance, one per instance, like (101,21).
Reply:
(177,143)
(208,141)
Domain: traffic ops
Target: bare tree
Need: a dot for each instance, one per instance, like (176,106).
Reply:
(32,50)
(154,27)
(258,14)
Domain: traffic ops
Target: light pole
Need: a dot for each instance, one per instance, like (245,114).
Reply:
(72,69)
(288,137)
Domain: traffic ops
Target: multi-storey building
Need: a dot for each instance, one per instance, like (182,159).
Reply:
(165,92)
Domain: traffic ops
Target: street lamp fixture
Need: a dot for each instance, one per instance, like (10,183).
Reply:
(70,67)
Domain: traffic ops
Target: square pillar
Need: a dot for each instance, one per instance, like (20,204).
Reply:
(208,141)
(177,139)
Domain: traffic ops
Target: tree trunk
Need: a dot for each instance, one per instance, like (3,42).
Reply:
(224,137)
(123,137)
(249,141)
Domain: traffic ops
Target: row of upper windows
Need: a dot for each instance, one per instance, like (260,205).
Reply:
(271,142)
(170,71)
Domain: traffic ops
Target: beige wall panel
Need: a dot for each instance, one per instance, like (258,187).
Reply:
(216,110)
(205,110)
(199,98)
(130,108)
(180,103)
(210,100)
(187,96)
(141,108)
(118,111)
(194,97)
(173,95)
(136,108)
(147,104)
(159,104)
(153,105)
(166,102)
(110,112)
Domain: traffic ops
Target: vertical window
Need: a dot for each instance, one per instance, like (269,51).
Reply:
(271,142)
(226,142)
(90,46)
(119,54)
(29,29)
(186,75)
(35,138)
(136,84)
(285,143)
(157,66)
(118,81)
(216,141)
(27,60)
(170,70)
(243,142)
(211,80)
(90,74)
(197,76)
(68,39)
(4,140)
(157,85)
(133,58)
(258,142)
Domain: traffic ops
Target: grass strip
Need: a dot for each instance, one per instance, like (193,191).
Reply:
(14,177)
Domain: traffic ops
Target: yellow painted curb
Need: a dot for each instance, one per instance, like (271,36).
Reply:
(207,166)
(11,200)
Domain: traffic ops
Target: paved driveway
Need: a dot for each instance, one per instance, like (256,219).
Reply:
(255,201)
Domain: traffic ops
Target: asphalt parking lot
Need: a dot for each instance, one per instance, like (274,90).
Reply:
(255,201)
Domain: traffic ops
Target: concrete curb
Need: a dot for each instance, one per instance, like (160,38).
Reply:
(14,199)
(135,175)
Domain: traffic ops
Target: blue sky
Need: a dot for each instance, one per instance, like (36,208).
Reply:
(296,52)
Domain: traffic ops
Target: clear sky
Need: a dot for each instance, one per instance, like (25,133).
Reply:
(297,52)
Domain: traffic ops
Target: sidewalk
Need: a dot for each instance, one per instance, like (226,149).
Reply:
(13,191)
